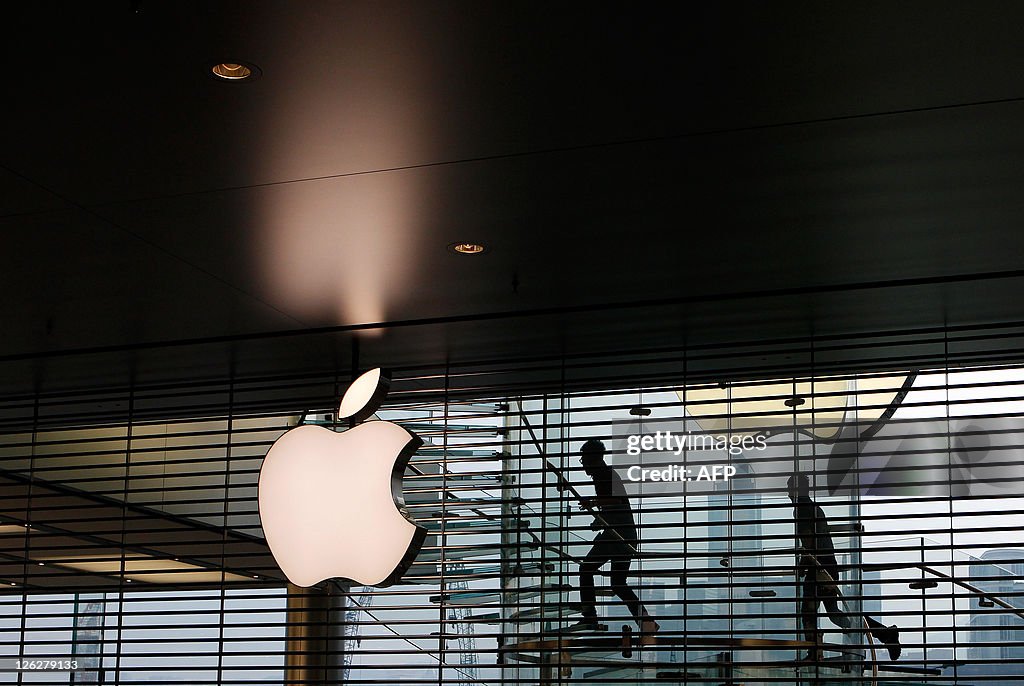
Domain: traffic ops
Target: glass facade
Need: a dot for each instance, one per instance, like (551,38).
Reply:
(132,545)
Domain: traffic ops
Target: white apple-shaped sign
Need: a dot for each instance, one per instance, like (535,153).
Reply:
(329,501)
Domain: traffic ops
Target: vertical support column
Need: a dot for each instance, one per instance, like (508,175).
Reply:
(315,637)
(87,638)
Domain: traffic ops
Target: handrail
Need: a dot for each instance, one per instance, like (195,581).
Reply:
(973,589)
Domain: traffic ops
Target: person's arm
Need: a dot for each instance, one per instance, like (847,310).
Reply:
(822,532)
(798,542)
(603,492)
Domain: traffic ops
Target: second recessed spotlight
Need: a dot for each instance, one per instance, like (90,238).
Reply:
(234,71)
(467,248)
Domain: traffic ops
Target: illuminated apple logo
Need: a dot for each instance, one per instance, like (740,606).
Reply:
(331,502)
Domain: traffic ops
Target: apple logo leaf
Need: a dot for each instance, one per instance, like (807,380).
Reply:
(331,502)
(365,395)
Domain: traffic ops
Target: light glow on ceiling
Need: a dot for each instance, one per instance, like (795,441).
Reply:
(348,244)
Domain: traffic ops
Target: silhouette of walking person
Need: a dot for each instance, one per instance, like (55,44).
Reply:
(616,543)
(818,567)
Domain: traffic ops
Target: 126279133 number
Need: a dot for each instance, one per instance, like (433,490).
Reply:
(45,665)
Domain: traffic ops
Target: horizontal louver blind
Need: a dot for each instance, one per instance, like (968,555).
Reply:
(130,541)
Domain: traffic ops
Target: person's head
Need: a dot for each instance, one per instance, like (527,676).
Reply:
(799,486)
(592,455)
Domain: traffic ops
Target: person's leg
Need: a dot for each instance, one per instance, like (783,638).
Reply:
(597,556)
(809,619)
(620,586)
(835,613)
(627,547)
(809,614)
(888,635)
(588,597)
(873,623)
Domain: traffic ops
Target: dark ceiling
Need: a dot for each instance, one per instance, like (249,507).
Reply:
(746,170)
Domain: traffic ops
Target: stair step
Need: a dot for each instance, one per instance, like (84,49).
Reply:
(482,597)
(458,503)
(430,453)
(434,481)
(475,523)
(439,426)
(531,615)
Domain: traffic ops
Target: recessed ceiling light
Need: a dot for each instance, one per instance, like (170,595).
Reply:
(232,71)
(467,248)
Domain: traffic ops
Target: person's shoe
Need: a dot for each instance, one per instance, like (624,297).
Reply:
(890,638)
